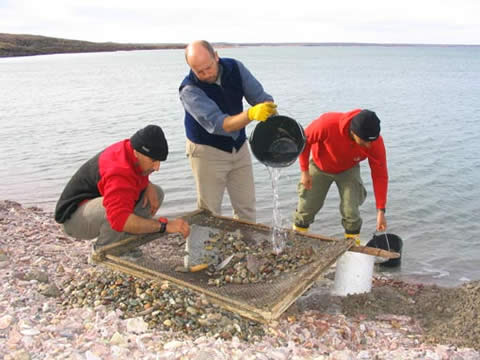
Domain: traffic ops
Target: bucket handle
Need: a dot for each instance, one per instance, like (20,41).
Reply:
(386,238)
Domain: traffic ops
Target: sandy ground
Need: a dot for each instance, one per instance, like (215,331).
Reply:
(40,320)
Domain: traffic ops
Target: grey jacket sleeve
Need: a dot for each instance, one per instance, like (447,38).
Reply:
(205,111)
(254,93)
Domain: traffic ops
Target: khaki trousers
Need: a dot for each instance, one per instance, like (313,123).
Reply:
(352,195)
(89,221)
(216,170)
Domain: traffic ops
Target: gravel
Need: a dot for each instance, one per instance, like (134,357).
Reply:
(41,316)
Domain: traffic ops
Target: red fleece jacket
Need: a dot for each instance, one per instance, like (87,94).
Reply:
(121,182)
(333,151)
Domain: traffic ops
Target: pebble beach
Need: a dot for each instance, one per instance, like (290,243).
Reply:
(56,304)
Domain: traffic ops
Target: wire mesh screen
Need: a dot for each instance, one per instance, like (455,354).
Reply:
(256,283)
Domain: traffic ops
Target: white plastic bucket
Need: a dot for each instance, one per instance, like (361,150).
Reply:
(353,274)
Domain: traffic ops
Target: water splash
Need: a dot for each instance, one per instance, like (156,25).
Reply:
(279,235)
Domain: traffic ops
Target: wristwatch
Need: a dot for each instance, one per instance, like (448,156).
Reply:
(163,224)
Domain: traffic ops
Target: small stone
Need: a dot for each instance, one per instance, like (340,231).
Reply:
(137,325)
(117,339)
(5,321)
(40,276)
(226,335)
(51,291)
(291,319)
(29,332)
(3,256)
(204,355)
(164,286)
(67,334)
(20,355)
(92,356)
(191,310)
(172,345)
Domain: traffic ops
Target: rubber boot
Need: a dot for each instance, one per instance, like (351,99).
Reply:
(355,237)
(300,229)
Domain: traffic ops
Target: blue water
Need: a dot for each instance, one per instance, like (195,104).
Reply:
(57,111)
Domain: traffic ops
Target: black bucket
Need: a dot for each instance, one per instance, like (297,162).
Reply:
(278,141)
(389,242)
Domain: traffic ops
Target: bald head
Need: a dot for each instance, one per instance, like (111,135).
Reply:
(197,47)
(203,60)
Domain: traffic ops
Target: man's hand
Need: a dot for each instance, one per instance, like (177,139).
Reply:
(262,111)
(306,180)
(178,225)
(151,198)
(381,221)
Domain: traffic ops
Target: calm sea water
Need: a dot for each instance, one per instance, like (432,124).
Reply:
(57,111)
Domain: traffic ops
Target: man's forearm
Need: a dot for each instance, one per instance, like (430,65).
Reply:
(236,122)
(138,225)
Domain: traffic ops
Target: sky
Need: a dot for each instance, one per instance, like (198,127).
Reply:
(246,21)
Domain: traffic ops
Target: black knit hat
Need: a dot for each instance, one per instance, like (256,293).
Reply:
(150,141)
(366,125)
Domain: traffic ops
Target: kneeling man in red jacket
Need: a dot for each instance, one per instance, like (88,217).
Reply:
(110,197)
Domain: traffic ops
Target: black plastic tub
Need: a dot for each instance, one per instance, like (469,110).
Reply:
(390,242)
(278,141)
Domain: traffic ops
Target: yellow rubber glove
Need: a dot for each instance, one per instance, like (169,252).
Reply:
(262,111)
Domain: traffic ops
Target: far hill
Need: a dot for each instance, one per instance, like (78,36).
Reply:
(27,45)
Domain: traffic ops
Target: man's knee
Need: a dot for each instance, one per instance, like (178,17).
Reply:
(78,232)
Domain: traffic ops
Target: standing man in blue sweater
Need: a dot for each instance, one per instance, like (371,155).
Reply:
(212,95)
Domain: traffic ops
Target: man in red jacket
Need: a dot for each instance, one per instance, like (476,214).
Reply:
(110,197)
(338,142)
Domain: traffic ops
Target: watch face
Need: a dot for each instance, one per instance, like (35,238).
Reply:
(163,227)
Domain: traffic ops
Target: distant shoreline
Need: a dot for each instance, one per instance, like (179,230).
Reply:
(14,45)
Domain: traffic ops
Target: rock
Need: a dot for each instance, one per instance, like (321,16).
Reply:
(172,345)
(20,355)
(204,355)
(91,356)
(226,335)
(279,354)
(191,310)
(29,332)
(40,276)
(343,355)
(3,256)
(19,303)
(5,321)
(137,325)
(19,275)
(50,291)
(67,334)
(117,339)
